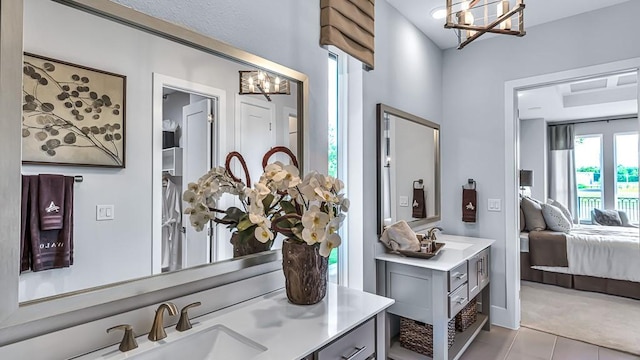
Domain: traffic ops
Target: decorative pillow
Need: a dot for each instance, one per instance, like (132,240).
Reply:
(523,221)
(555,219)
(624,218)
(562,208)
(607,217)
(533,215)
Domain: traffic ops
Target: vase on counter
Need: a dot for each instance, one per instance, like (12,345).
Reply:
(248,246)
(305,272)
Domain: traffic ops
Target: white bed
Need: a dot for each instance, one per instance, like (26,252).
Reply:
(610,252)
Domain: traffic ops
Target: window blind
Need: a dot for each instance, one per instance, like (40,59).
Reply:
(349,25)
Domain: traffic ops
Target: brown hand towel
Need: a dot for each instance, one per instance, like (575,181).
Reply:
(469,205)
(25,241)
(51,201)
(419,208)
(51,249)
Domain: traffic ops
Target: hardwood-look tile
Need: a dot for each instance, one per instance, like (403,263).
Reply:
(497,336)
(479,350)
(567,349)
(532,344)
(608,354)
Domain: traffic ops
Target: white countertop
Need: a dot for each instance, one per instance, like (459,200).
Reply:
(287,331)
(456,250)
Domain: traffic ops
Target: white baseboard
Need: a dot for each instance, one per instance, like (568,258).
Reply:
(500,317)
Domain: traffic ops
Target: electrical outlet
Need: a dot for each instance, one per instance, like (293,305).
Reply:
(404,201)
(494,205)
(104,212)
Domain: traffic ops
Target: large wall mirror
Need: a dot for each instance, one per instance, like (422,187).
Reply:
(408,168)
(135,109)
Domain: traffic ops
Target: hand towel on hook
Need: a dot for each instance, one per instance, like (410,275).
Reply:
(469,203)
(419,201)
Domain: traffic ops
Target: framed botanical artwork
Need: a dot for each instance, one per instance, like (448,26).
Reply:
(72,114)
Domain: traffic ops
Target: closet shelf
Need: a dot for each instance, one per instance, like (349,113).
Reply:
(172,161)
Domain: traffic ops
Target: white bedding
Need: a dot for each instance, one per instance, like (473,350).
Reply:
(602,251)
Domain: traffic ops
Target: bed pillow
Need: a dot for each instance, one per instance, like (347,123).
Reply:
(607,217)
(562,208)
(555,219)
(533,215)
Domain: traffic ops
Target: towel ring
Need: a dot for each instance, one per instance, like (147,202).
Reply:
(471,185)
(420,184)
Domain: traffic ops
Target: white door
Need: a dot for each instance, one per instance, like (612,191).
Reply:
(197,155)
(255,134)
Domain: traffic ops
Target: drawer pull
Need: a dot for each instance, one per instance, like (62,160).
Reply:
(355,353)
(461,276)
(462,301)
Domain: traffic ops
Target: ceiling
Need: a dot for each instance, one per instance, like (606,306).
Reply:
(536,12)
(605,96)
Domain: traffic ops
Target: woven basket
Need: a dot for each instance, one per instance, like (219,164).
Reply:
(418,337)
(467,316)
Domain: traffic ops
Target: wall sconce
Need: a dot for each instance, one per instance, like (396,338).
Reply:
(461,18)
(257,82)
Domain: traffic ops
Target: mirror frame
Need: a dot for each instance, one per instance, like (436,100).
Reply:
(19,321)
(381,109)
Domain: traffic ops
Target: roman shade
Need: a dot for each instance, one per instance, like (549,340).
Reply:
(349,25)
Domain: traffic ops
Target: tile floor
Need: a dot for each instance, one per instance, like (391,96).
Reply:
(528,344)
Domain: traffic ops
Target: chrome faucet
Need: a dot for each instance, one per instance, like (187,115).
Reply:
(157,330)
(431,233)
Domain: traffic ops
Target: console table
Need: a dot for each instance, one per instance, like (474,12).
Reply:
(434,290)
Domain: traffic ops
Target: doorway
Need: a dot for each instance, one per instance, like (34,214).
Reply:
(186,128)
(590,85)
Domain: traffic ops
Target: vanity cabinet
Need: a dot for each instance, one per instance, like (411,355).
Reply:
(359,344)
(434,291)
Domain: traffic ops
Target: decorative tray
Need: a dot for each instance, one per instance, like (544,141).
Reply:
(422,255)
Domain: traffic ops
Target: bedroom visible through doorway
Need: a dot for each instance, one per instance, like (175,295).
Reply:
(578,222)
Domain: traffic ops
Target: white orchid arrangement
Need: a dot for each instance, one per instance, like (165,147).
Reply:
(309,210)
(253,220)
(313,206)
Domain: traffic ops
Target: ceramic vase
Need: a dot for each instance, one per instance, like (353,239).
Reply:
(305,272)
(250,246)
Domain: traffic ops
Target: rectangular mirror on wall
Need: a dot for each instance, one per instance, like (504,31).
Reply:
(408,168)
(130,110)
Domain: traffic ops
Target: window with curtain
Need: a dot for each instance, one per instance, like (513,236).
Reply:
(588,159)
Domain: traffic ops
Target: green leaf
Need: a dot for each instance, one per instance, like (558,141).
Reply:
(288,207)
(244,224)
(266,202)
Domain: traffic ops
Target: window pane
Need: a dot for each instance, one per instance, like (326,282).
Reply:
(333,146)
(627,175)
(588,156)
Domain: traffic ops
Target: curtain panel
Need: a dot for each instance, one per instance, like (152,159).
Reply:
(349,25)
(562,169)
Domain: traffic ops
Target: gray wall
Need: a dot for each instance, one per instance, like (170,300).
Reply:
(533,154)
(408,76)
(473,126)
(284,31)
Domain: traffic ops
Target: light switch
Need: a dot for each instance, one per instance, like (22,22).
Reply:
(404,201)
(494,205)
(104,212)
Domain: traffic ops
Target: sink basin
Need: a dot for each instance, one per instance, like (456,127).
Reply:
(216,342)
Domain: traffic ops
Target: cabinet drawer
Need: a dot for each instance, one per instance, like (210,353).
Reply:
(359,344)
(458,299)
(458,276)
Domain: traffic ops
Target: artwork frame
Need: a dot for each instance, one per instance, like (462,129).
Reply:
(72,115)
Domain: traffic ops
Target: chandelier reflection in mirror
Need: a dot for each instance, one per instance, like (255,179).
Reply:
(256,82)
(471,19)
